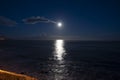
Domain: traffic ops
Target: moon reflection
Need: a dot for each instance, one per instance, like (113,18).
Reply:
(58,67)
(59,50)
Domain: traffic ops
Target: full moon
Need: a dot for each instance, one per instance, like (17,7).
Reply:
(59,24)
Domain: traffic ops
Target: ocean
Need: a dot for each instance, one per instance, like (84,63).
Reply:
(62,59)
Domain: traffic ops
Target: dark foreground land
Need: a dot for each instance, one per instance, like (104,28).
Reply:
(5,75)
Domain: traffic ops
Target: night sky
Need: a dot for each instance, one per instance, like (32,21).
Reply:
(84,19)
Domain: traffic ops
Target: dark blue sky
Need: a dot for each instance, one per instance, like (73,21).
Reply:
(88,19)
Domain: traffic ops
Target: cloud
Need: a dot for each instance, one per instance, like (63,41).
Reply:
(34,20)
(6,21)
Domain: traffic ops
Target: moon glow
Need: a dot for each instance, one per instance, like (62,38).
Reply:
(59,24)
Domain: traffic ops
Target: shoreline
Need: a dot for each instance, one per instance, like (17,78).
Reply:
(6,75)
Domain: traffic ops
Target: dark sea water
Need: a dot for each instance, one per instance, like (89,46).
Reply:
(62,60)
